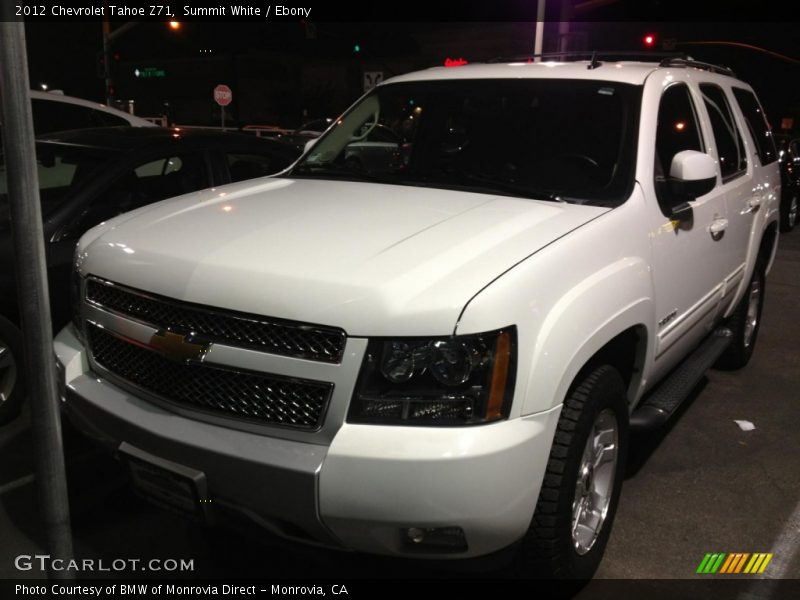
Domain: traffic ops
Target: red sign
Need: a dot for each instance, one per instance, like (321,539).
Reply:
(223,95)
(457,62)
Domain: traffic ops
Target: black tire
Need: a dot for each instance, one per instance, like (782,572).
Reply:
(790,210)
(12,381)
(741,349)
(549,549)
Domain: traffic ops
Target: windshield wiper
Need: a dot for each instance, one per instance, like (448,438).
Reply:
(482,183)
(326,171)
(506,186)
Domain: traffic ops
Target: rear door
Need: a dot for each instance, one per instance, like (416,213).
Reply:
(734,183)
(749,213)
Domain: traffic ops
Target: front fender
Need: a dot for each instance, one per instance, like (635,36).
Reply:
(596,311)
(568,301)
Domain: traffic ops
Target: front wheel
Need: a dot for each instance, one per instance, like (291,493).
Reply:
(582,484)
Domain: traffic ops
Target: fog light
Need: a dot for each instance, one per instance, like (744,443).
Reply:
(434,539)
(416,535)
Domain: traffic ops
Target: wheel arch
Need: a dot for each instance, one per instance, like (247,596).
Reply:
(622,341)
(768,247)
(626,352)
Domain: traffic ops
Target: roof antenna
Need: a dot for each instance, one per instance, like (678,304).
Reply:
(594,63)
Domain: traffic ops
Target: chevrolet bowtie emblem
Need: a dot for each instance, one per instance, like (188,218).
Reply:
(175,347)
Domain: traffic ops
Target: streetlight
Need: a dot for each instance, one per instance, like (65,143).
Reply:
(43,86)
(175,25)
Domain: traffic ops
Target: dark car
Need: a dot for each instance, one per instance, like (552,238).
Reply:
(310,131)
(91,175)
(377,148)
(789,153)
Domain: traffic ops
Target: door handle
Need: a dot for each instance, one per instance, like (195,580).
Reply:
(717,228)
(753,204)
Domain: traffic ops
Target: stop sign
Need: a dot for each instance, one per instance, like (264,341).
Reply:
(223,95)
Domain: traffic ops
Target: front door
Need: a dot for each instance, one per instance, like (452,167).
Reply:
(688,258)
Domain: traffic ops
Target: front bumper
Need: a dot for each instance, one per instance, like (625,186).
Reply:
(360,492)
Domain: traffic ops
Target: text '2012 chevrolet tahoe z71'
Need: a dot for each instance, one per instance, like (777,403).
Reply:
(436,349)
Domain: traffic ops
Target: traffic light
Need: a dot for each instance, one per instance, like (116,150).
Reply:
(649,40)
(356,48)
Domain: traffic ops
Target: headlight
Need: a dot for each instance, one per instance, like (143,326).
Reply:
(76,296)
(460,380)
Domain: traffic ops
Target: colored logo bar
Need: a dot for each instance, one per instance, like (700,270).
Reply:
(734,562)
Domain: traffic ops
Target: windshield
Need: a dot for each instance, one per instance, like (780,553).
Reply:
(552,139)
(61,170)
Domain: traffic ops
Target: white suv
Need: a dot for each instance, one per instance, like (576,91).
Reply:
(441,354)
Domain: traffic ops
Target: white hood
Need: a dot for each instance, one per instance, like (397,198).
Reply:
(373,259)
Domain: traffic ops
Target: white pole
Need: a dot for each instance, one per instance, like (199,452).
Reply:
(34,297)
(539,41)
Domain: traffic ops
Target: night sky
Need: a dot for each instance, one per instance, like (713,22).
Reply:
(64,55)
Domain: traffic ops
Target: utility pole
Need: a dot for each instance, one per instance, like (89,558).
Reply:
(32,290)
(108,37)
(563,26)
(539,41)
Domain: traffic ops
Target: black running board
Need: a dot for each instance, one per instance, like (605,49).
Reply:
(658,406)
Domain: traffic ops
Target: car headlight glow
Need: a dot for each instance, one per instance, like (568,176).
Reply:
(460,380)
(76,296)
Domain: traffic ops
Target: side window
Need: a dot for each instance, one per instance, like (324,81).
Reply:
(51,115)
(161,166)
(45,118)
(104,119)
(757,124)
(242,165)
(677,130)
(144,184)
(54,173)
(732,157)
(166,177)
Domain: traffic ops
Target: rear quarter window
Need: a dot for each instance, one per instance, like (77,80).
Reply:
(757,124)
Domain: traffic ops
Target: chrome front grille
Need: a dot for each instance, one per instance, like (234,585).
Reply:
(287,338)
(257,397)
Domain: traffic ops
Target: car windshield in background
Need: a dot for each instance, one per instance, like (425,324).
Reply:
(553,139)
(61,171)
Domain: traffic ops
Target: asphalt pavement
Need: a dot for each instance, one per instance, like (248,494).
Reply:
(701,485)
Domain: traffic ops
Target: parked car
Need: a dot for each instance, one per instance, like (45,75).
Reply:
(267,131)
(440,358)
(376,148)
(310,131)
(789,153)
(57,112)
(91,175)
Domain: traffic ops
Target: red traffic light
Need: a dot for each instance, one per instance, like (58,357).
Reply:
(649,40)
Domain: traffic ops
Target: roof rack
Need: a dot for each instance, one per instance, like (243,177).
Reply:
(664,59)
(645,56)
(689,62)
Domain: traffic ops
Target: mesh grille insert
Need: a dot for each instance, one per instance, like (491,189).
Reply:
(253,396)
(286,338)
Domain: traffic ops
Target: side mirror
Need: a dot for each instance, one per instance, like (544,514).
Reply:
(692,174)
